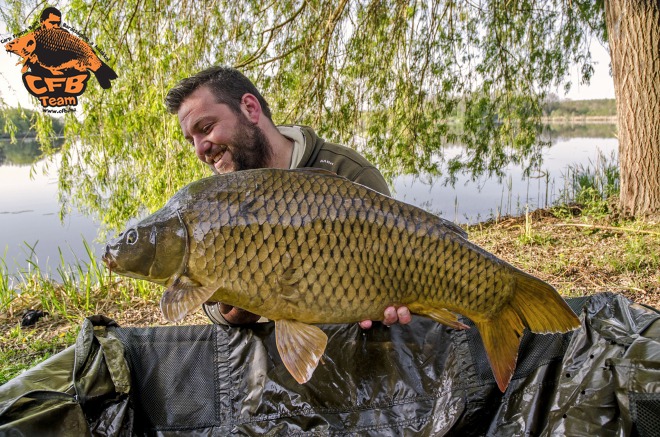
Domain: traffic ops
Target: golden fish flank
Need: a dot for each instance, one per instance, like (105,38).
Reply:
(306,246)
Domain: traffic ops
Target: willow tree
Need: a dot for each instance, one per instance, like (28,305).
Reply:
(634,38)
(398,80)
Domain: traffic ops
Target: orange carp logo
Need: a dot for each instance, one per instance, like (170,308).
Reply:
(57,63)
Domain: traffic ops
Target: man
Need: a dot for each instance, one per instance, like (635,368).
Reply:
(51,18)
(226,119)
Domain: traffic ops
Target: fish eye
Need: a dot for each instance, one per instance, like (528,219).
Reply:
(131,236)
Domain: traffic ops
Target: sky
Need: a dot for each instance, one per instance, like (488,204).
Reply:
(601,86)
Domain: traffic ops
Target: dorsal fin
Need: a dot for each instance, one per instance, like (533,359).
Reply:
(455,228)
(319,171)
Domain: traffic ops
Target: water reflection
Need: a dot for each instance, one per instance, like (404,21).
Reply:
(471,201)
(23,152)
(29,213)
(29,209)
(567,131)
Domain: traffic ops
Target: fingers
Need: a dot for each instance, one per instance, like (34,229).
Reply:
(404,316)
(391,316)
(365,324)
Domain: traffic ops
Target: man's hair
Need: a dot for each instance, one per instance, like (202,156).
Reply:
(50,10)
(227,84)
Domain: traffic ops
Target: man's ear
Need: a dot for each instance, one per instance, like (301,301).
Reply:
(251,107)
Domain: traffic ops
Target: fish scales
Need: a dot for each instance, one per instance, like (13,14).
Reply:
(347,249)
(59,40)
(304,247)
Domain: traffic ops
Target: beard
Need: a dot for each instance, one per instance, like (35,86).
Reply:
(251,149)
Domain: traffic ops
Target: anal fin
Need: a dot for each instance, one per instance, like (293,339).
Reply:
(300,346)
(440,315)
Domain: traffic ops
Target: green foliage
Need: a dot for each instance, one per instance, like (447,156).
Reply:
(397,80)
(24,151)
(75,291)
(531,236)
(25,134)
(638,257)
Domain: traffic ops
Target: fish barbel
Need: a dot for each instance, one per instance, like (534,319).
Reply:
(307,246)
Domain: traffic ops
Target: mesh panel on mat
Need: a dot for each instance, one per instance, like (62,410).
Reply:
(645,411)
(535,350)
(172,373)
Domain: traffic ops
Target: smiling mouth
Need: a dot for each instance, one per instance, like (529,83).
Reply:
(214,159)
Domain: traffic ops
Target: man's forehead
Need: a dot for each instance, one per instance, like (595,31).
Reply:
(201,104)
(195,102)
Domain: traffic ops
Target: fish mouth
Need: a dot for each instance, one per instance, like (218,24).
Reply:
(108,259)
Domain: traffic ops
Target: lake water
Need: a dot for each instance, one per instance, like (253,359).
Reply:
(29,209)
(473,201)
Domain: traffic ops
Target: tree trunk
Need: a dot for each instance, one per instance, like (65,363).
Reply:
(633,28)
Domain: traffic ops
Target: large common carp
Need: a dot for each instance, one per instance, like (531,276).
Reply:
(307,246)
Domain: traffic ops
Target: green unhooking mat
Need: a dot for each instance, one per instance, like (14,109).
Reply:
(422,379)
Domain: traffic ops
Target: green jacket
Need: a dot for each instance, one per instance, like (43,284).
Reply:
(342,160)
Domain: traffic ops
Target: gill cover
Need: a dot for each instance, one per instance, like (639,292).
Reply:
(156,249)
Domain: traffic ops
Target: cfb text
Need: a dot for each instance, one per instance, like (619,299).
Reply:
(56,91)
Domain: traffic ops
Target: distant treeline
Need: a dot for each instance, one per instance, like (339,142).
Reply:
(553,108)
(23,120)
(579,108)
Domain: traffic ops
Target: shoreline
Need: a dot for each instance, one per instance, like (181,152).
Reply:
(605,119)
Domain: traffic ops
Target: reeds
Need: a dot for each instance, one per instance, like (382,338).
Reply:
(75,291)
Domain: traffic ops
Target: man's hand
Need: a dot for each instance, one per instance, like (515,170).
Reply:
(392,316)
(237,316)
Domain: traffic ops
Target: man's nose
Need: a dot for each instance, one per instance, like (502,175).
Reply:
(202,147)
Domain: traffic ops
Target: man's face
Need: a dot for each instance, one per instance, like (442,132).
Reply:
(53,21)
(225,140)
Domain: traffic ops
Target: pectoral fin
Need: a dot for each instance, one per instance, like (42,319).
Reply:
(300,346)
(181,298)
(440,315)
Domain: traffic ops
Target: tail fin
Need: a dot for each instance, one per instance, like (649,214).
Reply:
(535,305)
(540,307)
(104,74)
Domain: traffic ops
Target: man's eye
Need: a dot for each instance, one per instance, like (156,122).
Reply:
(206,129)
